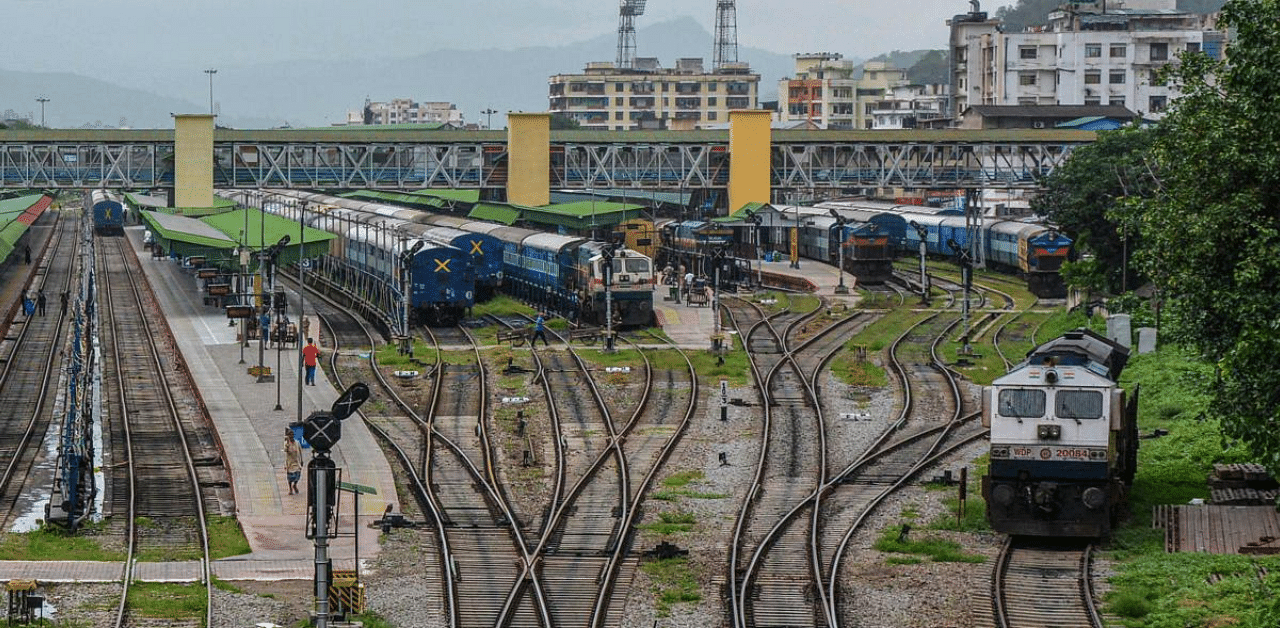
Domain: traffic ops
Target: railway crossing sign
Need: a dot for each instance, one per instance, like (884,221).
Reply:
(322,430)
(350,401)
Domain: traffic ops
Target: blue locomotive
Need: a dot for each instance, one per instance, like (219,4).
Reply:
(559,273)
(1064,440)
(1034,250)
(107,211)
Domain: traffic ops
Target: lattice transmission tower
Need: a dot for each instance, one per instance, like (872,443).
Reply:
(627,12)
(726,34)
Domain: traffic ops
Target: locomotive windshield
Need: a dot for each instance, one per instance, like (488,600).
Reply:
(637,265)
(1021,403)
(1078,404)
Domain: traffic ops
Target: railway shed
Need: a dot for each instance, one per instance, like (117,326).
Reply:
(16,217)
(216,238)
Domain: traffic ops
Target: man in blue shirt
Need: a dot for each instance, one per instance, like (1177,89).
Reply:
(540,331)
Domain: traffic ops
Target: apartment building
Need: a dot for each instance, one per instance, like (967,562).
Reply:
(1087,54)
(647,96)
(827,92)
(406,111)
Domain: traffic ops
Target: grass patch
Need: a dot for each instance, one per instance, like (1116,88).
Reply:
(682,479)
(226,537)
(1194,589)
(671,523)
(51,543)
(849,370)
(674,583)
(167,600)
(502,305)
(937,550)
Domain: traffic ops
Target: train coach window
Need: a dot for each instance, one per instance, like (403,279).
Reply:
(637,265)
(1022,403)
(1078,404)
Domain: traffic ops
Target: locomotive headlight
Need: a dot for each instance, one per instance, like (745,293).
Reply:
(1094,498)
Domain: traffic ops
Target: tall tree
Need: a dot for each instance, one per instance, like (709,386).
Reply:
(1212,232)
(1086,198)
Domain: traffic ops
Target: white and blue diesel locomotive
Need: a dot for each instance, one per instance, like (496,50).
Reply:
(1064,440)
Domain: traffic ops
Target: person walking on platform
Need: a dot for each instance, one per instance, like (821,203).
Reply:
(306,326)
(40,302)
(27,253)
(292,461)
(65,298)
(310,357)
(539,331)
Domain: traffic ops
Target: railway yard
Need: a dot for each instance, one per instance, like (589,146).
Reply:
(808,480)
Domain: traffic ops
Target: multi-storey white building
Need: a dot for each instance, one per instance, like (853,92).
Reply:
(910,107)
(647,96)
(406,111)
(1088,54)
(825,93)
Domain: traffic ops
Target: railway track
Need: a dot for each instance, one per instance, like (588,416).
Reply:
(1040,585)
(28,383)
(156,492)
(601,474)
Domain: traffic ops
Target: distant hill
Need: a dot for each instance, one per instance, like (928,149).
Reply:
(77,101)
(317,93)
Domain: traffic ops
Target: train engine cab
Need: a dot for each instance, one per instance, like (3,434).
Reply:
(630,279)
(1045,253)
(1063,440)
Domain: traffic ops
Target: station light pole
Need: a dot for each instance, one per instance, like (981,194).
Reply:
(488,120)
(42,100)
(211,72)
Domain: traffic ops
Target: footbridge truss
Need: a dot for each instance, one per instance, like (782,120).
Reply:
(817,160)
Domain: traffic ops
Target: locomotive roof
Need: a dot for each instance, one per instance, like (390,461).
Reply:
(1082,347)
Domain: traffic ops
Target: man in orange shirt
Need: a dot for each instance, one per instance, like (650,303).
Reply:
(310,356)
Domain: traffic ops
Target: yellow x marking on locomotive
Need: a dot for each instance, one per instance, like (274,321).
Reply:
(442,265)
(475,248)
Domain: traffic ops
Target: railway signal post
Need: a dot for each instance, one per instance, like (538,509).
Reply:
(323,430)
(924,276)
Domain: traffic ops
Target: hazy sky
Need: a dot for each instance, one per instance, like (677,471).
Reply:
(93,36)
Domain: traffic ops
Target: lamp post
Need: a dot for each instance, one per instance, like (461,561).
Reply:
(211,72)
(42,100)
(302,297)
(488,120)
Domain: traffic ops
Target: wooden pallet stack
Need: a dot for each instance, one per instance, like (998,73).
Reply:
(1242,485)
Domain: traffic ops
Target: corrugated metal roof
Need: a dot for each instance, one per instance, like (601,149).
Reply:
(504,214)
(233,223)
(18,204)
(188,230)
(400,198)
(142,200)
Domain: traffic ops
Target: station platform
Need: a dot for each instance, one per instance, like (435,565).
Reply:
(252,433)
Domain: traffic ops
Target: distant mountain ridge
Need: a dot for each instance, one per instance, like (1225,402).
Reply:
(318,93)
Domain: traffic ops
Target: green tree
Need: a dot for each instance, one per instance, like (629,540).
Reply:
(1086,198)
(560,121)
(1211,234)
(932,69)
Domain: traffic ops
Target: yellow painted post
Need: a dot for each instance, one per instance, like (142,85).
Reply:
(749,153)
(193,160)
(529,157)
